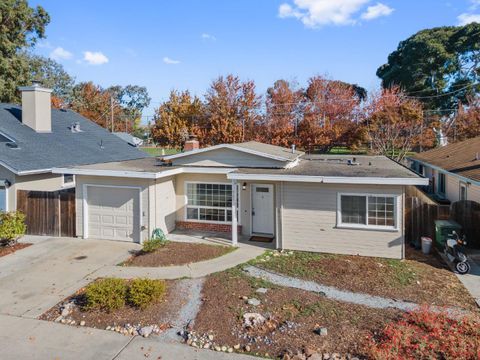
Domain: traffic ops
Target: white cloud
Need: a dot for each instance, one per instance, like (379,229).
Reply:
(206,36)
(169,61)
(376,11)
(465,18)
(95,57)
(315,13)
(60,53)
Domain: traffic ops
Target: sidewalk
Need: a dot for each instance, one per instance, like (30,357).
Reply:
(22,338)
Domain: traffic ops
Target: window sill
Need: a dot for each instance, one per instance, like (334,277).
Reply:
(68,186)
(210,222)
(366,227)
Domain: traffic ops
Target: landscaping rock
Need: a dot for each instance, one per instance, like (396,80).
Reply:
(320,330)
(146,331)
(247,348)
(67,309)
(261,290)
(253,320)
(253,302)
(82,323)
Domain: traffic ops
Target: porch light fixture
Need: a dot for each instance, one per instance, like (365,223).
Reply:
(244,186)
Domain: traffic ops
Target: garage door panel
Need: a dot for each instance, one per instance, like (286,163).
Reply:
(113,213)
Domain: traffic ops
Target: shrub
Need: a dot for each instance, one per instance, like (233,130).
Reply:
(12,227)
(143,292)
(106,294)
(427,335)
(153,244)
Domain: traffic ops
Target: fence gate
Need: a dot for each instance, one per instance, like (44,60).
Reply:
(50,213)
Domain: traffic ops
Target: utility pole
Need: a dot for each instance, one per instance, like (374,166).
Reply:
(111,112)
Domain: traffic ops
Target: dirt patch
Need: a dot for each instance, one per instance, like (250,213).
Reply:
(420,278)
(161,313)
(293,317)
(11,249)
(178,253)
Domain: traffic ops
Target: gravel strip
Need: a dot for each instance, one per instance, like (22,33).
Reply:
(331,292)
(190,290)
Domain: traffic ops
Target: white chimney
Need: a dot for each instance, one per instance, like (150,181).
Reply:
(36,107)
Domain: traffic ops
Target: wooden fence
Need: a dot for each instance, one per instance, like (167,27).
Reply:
(50,213)
(421,213)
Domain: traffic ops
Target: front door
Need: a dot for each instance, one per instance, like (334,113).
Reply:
(262,209)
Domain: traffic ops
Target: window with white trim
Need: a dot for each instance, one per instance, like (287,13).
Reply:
(209,202)
(372,211)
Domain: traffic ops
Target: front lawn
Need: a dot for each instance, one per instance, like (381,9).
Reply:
(419,278)
(292,319)
(177,253)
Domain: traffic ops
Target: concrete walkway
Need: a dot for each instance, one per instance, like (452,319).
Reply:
(333,293)
(244,253)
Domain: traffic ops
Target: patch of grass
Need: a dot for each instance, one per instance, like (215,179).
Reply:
(157,151)
(317,308)
(152,245)
(293,263)
(143,292)
(106,294)
(403,274)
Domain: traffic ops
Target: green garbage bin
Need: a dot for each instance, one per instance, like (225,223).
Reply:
(443,229)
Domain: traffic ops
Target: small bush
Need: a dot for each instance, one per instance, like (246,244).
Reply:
(427,335)
(106,294)
(153,244)
(12,227)
(143,292)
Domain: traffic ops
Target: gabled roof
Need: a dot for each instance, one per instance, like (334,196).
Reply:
(251,147)
(40,152)
(461,158)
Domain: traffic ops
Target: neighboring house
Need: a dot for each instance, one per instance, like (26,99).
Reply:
(129,139)
(334,204)
(34,139)
(453,170)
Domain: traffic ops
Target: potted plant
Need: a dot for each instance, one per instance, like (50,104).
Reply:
(12,227)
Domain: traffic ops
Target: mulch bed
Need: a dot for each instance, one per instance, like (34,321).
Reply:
(295,315)
(424,279)
(11,249)
(177,253)
(160,313)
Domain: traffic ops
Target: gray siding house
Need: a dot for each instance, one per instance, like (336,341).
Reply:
(333,204)
(34,139)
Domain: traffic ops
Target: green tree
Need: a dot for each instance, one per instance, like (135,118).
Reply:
(439,66)
(51,74)
(20,28)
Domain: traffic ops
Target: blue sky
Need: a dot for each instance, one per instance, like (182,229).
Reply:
(181,44)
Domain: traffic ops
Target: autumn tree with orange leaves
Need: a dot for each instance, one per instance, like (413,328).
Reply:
(177,118)
(283,113)
(394,123)
(331,114)
(232,111)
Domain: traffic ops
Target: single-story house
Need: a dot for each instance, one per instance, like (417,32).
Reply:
(34,139)
(333,204)
(453,170)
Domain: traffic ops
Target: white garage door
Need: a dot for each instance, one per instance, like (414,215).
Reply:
(113,213)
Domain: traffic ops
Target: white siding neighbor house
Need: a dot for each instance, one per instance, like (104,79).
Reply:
(453,170)
(323,203)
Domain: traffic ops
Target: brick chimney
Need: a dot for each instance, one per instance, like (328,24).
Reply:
(191,144)
(36,107)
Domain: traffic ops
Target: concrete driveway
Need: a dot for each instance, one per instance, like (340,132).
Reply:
(34,279)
